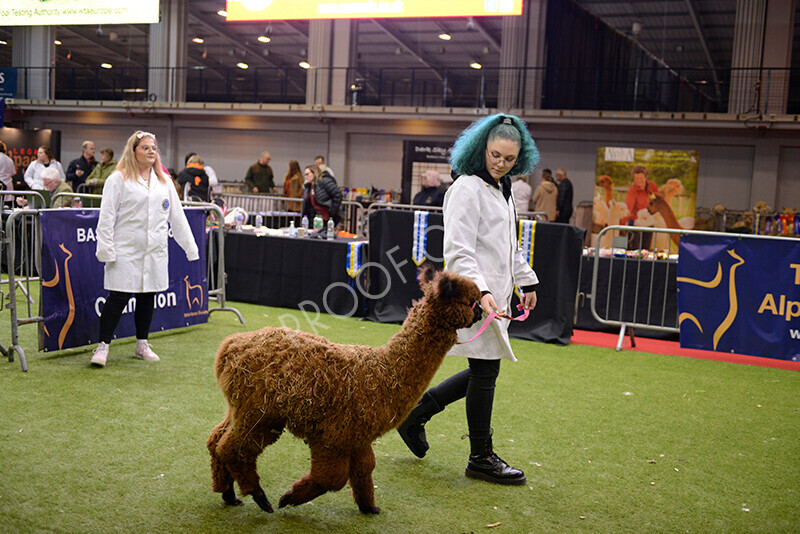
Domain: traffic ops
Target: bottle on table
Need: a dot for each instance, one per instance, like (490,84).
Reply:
(259,221)
(304,223)
(239,220)
(317,223)
(292,230)
(331,229)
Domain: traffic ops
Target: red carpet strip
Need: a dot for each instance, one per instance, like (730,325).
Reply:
(660,346)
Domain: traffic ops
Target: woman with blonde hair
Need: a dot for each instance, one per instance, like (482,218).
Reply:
(138,202)
(293,185)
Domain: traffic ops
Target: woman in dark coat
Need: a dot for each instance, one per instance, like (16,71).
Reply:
(321,195)
(196,177)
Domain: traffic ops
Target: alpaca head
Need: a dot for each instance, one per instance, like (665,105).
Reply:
(453,298)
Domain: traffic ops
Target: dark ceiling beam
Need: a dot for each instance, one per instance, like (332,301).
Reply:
(487,34)
(389,30)
(210,24)
(702,38)
(121,52)
(297,27)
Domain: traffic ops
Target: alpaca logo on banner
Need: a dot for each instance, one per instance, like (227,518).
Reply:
(739,294)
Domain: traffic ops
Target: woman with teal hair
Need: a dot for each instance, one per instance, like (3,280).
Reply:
(480,243)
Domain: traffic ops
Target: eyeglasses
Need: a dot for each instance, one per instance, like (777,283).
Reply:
(496,158)
(141,134)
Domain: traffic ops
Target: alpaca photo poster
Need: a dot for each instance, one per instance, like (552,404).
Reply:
(645,187)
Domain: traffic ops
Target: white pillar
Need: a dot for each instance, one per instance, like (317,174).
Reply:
(777,55)
(167,79)
(33,47)
(319,57)
(522,49)
(344,49)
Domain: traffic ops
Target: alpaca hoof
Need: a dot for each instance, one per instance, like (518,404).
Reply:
(262,502)
(229,496)
(374,510)
(285,499)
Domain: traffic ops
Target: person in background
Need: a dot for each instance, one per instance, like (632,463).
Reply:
(521,192)
(319,161)
(138,202)
(259,177)
(52,182)
(564,207)
(639,192)
(293,185)
(431,193)
(194,181)
(7,171)
(44,159)
(321,196)
(81,167)
(102,170)
(480,243)
(545,198)
(213,181)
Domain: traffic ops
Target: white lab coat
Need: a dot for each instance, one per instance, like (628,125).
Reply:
(480,243)
(132,233)
(33,174)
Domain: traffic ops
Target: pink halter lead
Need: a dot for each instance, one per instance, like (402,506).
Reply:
(492,316)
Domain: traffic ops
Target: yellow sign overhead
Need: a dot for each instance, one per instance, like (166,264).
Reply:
(66,12)
(239,10)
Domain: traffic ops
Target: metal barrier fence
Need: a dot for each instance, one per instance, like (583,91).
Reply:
(278,212)
(640,269)
(22,245)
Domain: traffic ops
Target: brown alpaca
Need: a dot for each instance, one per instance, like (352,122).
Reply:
(337,398)
(659,205)
(606,183)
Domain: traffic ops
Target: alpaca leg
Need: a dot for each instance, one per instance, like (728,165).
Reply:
(329,471)
(362,463)
(221,478)
(239,449)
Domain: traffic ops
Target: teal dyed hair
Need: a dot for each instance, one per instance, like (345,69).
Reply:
(469,151)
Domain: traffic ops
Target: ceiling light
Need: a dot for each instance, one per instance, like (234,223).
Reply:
(263,39)
(476,65)
(3,42)
(242,65)
(444,36)
(222,13)
(198,40)
(305,64)
(57,42)
(105,65)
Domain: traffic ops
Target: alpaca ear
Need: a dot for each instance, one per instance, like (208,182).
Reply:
(445,287)
(425,274)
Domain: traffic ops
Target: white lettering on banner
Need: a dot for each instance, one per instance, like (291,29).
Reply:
(162,300)
(86,234)
(615,153)
(795,334)
(2,77)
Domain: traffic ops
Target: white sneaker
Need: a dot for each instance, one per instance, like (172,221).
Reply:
(145,351)
(100,355)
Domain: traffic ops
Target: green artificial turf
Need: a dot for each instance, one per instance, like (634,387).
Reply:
(610,442)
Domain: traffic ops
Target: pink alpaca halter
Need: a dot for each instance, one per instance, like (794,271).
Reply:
(492,316)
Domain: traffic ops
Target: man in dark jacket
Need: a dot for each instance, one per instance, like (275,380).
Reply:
(564,202)
(431,193)
(259,177)
(80,168)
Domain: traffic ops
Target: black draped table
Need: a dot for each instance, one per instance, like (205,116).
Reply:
(393,284)
(301,273)
(630,290)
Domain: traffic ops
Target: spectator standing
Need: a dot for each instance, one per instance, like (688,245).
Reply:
(431,193)
(52,182)
(138,202)
(564,205)
(322,195)
(44,159)
(293,185)
(81,167)
(194,181)
(319,161)
(259,177)
(213,181)
(521,191)
(102,170)
(7,170)
(545,198)
(639,192)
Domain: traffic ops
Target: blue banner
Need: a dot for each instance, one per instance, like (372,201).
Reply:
(72,282)
(8,82)
(740,294)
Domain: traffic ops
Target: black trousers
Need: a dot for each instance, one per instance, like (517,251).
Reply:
(476,383)
(112,312)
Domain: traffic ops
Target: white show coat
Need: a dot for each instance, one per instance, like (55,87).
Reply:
(480,243)
(33,174)
(132,233)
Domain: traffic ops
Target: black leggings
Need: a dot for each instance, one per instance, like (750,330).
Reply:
(112,311)
(476,384)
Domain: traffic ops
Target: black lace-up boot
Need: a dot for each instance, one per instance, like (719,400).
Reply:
(412,430)
(484,464)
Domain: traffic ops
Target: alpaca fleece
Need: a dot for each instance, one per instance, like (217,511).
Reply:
(337,398)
